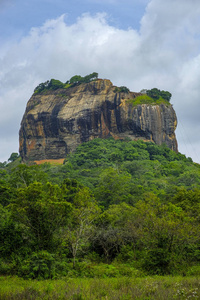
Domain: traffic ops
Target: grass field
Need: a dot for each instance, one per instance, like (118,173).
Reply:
(124,288)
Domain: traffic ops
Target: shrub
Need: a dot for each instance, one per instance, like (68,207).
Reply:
(194,271)
(156,261)
(40,265)
(122,89)
(146,99)
(77,79)
(156,94)
(6,268)
(55,84)
(41,87)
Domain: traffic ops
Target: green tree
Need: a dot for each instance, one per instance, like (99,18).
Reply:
(11,234)
(13,157)
(189,201)
(3,164)
(166,95)
(190,179)
(7,193)
(111,233)
(75,79)
(82,217)
(122,89)
(42,210)
(168,237)
(23,175)
(42,86)
(90,77)
(154,93)
(114,187)
(55,84)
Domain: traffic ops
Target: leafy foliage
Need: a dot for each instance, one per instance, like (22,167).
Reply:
(13,156)
(122,89)
(156,94)
(40,265)
(112,201)
(152,97)
(145,99)
(55,84)
(77,79)
(41,87)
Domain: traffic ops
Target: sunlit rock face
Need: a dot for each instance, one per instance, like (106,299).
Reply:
(56,122)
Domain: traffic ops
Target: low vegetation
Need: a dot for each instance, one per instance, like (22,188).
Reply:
(145,99)
(160,288)
(152,97)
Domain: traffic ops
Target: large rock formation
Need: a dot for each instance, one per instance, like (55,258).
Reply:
(57,121)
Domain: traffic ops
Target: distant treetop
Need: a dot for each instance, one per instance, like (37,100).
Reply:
(77,79)
(55,84)
(122,89)
(156,94)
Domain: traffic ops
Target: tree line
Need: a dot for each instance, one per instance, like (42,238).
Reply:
(55,84)
(130,203)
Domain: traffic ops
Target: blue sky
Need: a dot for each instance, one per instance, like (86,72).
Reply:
(139,44)
(17,17)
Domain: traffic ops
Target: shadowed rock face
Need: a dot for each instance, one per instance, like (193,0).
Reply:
(56,122)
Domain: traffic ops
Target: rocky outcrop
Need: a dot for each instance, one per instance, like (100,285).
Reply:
(56,122)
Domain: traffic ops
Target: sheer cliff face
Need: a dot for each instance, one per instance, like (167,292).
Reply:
(56,122)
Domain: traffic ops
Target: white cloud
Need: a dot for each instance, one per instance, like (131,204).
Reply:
(164,53)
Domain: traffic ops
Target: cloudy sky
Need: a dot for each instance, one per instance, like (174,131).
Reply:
(136,43)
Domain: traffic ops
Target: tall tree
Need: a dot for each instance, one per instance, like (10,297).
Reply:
(82,217)
(42,210)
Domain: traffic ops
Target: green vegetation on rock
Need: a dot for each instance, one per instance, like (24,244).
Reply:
(156,94)
(145,99)
(77,79)
(122,89)
(152,97)
(55,84)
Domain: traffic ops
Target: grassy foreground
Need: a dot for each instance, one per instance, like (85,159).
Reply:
(146,288)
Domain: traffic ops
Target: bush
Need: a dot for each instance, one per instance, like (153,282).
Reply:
(6,268)
(122,89)
(194,271)
(40,265)
(156,262)
(55,84)
(156,94)
(126,254)
(77,79)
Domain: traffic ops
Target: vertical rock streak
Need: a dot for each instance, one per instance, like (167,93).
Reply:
(56,122)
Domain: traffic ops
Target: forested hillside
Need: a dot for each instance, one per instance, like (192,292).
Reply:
(114,207)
